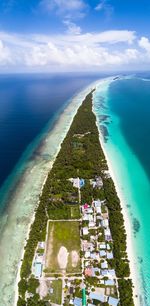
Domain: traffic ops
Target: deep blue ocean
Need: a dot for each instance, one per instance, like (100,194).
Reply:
(27,103)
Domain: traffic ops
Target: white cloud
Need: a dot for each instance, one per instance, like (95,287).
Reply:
(73,50)
(71,8)
(72,28)
(5,54)
(104,6)
(145,44)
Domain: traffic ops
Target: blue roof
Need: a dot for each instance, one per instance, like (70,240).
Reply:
(77,301)
(38,269)
(82,182)
(98,297)
(112,301)
(109,282)
(109,255)
(102,253)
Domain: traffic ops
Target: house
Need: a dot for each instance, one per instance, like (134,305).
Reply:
(88,271)
(109,255)
(87,246)
(87,254)
(77,301)
(71,290)
(108,246)
(87,263)
(99,182)
(93,183)
(94,256)
(102,246)
(109,282)
(75,182)
(81,183)
(90,217)
(112,272)
(85,231)
(39,258)
(99,297)
(41,245)
(107,234)
(99,217)
(85,217)
(105,272)
(105,223)
(95,271)
(113,301)
(98,210)
(89,210)
(104,265)
(92,237)
(91,224)
(102,253)
(38,269)
(102,282)
(97,203)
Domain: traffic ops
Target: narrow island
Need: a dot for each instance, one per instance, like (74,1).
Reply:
(76,250)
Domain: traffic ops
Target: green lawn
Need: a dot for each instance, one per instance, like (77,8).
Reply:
(55,297)
(75,212)
(62,234)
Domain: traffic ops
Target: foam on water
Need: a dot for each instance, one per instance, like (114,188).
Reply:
(30,172)
(133,188)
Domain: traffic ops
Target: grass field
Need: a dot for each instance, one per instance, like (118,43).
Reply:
(56,286)
(63,247)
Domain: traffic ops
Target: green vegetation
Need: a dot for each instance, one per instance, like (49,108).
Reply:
(55,296)
(81,156)
(63,234)
(125,290)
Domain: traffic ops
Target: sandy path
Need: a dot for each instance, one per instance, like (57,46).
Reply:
(49,248)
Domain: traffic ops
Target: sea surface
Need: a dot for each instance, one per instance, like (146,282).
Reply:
(123,111)
(35,114)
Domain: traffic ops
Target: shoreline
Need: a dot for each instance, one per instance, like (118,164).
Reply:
(23,248)
(82,94)
(127,223)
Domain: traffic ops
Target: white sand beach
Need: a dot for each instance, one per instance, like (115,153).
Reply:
(128,226)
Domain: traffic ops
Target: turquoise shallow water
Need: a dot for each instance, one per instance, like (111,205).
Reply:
(123,112)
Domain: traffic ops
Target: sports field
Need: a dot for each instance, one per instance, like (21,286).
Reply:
(63,247)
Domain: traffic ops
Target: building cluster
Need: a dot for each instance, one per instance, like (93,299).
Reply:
(97,254)
(97,279)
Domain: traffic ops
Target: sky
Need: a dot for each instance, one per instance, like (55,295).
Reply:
(74,35)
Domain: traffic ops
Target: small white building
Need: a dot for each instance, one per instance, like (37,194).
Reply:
(91,224)
(109,255)
(104,265)
(87,254)
(102,246)
(107,234)
(85,231)
(97,203)
(105,223)
(102,253)
(98,210)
